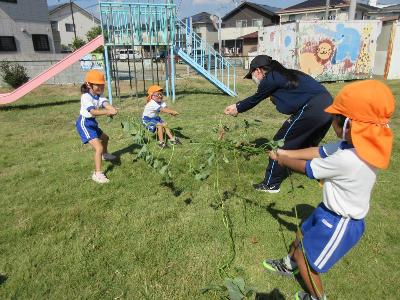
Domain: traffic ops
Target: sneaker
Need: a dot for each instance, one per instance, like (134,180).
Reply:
(262,187)
(306,296)
(175,141)
(99,177)
(162,145)
(279,267)
(108,156)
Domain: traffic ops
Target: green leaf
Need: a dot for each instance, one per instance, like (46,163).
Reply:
(239,281)
(210,160)
(225,160)
(163,170)
(157,164)
(149,159)
(138,138)
(125,126)
(143,152)
(233,289)
(202,175)
(280,143)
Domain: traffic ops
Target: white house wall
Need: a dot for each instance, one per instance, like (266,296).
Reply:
(21,20)
(82,23)
(233,33)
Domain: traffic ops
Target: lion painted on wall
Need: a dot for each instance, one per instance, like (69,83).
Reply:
(313,63)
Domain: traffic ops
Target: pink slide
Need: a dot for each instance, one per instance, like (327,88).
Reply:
(54,70)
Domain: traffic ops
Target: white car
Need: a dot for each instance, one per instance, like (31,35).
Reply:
(133,55)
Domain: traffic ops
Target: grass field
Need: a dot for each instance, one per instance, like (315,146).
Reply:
(65,237)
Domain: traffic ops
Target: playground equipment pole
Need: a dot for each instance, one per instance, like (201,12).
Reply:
(108,73)
(129,67)
(118,91)
(171,45)
(150,15)
(133,48)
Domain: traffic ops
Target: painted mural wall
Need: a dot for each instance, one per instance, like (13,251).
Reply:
(394,59)
(327,50)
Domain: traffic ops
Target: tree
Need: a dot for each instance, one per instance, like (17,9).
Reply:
(92,34)
(77,43)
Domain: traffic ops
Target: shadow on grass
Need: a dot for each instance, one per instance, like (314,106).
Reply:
(198,92)
(118,154)
(275,294)
(177,131)
(303,211)
(3,278)
(176,191)
(38,105)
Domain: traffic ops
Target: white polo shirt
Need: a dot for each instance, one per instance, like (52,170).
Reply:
(152,109)
(348,180)
(89,102)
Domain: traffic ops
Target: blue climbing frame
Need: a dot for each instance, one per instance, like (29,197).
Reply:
(151,24)
(139,24)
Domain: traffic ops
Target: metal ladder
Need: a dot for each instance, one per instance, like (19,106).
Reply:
(204,59)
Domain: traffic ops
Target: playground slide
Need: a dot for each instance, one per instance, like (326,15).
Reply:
(52,71)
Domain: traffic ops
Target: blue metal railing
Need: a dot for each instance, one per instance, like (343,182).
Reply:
(202,57)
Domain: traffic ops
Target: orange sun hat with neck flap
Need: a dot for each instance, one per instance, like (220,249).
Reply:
(153,89)
(369,104)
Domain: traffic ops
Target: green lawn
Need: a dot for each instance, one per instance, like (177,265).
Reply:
(64,236)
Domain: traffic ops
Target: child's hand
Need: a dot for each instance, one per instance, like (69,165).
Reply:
(111,111)
(231,110)
(277,155)
(273,155)
(174,113)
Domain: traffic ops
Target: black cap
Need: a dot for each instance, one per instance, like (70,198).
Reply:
(258,62)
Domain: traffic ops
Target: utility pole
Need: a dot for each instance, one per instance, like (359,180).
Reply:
(352,9)
(327,10)
(73,20)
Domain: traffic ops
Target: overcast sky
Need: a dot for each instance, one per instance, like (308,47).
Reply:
(187,8)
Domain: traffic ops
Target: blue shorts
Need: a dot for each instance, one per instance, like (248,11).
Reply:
(327,237)
(151,123)
(88,129)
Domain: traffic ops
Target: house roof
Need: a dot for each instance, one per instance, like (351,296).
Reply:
(54,8)
(203,17)
(394,8)
(253,35)
(265,9)
(319,4)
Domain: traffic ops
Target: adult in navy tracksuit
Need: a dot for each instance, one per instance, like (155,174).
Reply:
(293,93)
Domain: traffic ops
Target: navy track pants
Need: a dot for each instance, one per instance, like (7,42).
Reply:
(304,129)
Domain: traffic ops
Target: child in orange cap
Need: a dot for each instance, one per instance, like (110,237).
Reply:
(151,119)
(361,112)
(93,105)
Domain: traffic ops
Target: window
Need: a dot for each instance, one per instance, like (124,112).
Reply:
(241,23)
(7,43)
(40,42)
(54,25)
(10,1)
(257,22)
(69,27)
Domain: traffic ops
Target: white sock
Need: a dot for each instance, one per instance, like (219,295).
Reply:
(290,264)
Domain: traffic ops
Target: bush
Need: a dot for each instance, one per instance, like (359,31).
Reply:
(77,43)
(13,74)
